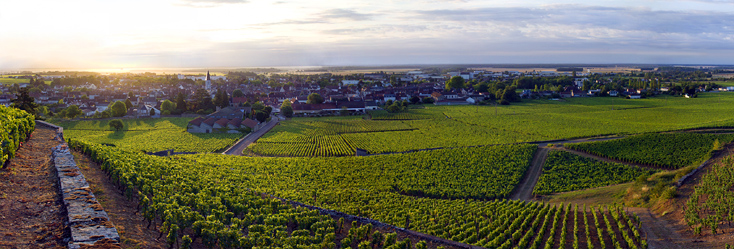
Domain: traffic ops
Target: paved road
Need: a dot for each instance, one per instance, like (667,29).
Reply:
(238,147)
(524,190)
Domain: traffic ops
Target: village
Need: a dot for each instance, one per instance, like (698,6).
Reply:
(224,103)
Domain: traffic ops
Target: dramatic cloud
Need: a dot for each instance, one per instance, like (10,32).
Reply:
(197,33)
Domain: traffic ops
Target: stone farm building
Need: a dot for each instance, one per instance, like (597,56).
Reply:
(226,120)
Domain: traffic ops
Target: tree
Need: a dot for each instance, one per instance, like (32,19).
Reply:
(260,116)
(118,109)
(428,100)
(456,82)
(315,98)
(258,106)
(286,109)
(586,85)
(267,110)
(130,95)
(116,124)
(395,107)
(72,111)
(25,102)
(223,100)
(181,102)
(152,112)
(237,94)
(509,95)
(128,104)
(167,105)
(415,99)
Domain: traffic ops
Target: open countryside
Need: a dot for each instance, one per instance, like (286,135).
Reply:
(249,124)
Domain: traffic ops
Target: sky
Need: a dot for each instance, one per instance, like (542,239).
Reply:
(253,33)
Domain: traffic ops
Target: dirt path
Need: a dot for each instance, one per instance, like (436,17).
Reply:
(238,147)
(659,232)
(524,190)
(122,212)
(32,214)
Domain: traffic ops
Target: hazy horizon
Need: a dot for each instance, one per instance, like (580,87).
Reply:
(80,34)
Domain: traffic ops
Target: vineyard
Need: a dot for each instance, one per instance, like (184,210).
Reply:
(149,135)
(216,199)
(460,126)
(15,127)
(710,208)
(668,151)
(564,171)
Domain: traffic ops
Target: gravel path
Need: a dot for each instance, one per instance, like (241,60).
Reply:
(31,211)
(524,191)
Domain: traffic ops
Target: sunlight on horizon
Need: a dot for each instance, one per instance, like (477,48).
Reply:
(233,33)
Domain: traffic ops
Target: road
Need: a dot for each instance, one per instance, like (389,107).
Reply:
(238,147)
(524,190)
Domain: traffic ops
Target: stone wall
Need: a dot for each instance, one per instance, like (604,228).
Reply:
(87,220)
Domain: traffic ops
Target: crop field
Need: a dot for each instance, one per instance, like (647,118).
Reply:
(564,171)
(388,188)
(15,127)
(531,120)
(149,135)
(668,151)
(710,208)
(10,81)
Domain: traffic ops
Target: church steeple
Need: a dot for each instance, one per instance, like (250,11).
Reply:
(208,83)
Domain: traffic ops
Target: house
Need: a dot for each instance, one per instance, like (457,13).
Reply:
(579,82)
(227,113)
(350,82)
(89,111)
(220,124)
(249,123)
(634,96)
(370,105)
(207,125)
(233,125)
(144,111)
(613,93)
(577,93)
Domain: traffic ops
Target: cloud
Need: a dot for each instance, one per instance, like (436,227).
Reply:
(592,23)
(345,14)
(209,3)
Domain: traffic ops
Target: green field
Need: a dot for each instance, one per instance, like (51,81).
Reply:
(563,172)
(669,151)
(149,135)
(10,81)
(216,192)
(531,120)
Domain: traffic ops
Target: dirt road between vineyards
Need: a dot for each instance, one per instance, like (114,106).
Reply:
(524,191)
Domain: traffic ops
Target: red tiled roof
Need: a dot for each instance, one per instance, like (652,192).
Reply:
(210,121)
(196,121)
(249,123)
(222,122)
(235,122)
